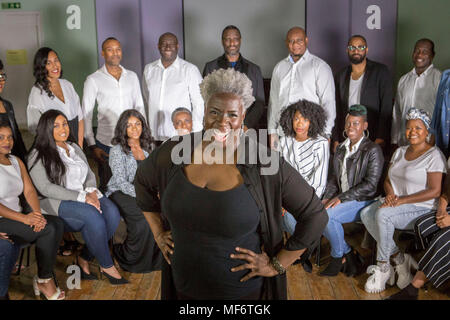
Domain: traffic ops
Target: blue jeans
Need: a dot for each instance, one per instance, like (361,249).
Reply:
(382,222)
(344,212)
(96,228)
(8,258)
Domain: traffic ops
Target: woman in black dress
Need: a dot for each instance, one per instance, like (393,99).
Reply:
(218,223)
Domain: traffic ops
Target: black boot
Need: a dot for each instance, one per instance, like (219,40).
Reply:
(353,263)
(333,268)
(408,293)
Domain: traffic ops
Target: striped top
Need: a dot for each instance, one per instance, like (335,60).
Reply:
(309,158)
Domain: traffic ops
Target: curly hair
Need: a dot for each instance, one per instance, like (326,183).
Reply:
(40,71)
(228,81)
(120,132)
(309,110)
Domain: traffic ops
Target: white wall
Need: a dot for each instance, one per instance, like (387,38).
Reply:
(263,25)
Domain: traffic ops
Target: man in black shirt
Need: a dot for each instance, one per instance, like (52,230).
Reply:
(231,41)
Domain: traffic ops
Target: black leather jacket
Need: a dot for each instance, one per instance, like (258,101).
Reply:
(364,169)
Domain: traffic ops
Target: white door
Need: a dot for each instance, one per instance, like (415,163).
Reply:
(20,37)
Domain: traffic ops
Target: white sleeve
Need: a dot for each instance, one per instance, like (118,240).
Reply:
(89,96)
(198,106)
(34,111)
(138,102)
(437,162)
(318,180)
(396,119)
(326,92)
(273,107)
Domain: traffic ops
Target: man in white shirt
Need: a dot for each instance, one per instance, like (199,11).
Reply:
(418,89)
(301,75)
(115,89)
(170,83)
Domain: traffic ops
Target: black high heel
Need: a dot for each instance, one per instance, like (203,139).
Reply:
(334,267)
(86,276)
(114,281)
(353,263)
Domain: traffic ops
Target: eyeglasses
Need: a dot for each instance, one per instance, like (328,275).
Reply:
(353,48)
(3,77)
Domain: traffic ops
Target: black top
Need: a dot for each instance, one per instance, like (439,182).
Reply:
(206,227)
(270,190)
(18,149)
(376,96)
(253,72)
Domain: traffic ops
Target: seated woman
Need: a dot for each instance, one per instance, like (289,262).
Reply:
(304,147)
(216,214)
(356,170)
(61,173)
(131,145)
(50,91)
(182,120)
(433,230)
(9,252)
(7,113)
(44,232)
(412,187)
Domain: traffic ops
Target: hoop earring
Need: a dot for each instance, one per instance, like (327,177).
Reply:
(367,133)
(344,135)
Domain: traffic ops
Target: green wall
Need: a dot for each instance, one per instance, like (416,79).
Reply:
(422,19)
(77,49)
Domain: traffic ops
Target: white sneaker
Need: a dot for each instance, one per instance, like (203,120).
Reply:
(377,281)
(404,271)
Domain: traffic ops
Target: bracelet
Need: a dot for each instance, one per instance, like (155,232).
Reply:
(277,265)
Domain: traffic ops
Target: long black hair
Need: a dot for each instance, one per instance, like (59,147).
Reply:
(39,69)
(120,132)
(45,147)
(309,110)
(4,123)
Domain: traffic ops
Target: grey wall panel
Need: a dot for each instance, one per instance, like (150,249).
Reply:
(263,24)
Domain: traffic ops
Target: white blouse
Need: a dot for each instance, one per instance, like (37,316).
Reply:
(39,102)
(76,173)
(11,185)
(408,177)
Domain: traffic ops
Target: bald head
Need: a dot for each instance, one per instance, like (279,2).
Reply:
(296,42)
(168,36)
(168,48)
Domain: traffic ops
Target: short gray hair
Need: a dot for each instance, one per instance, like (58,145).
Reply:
(180,110)
(228,81)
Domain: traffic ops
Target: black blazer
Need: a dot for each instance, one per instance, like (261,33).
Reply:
(364,169)
(376,96)
(285,187)
(19,149)
(251,70)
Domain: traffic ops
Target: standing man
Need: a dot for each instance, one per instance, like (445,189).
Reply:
(301,75)
(170,83)
(115,89)
(418,88)
(232,58)
(368,83)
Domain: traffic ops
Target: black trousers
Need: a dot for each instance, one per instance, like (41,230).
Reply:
(46,241)
(139,253)
(435,263)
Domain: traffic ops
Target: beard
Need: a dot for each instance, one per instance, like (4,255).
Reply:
(357,60)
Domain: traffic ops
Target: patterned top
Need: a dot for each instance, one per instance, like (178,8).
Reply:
(123,167)
(309,158)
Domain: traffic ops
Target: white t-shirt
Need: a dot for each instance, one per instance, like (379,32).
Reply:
(409,177)
(354,91)
(348,153)
(39,102)
(11,185)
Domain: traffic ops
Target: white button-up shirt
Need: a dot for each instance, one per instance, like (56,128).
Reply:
(309,78)
(166,89)
(413,91)
(39,102)
(344,177)
(113,97)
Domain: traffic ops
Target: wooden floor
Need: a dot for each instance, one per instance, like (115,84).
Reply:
(301,285)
